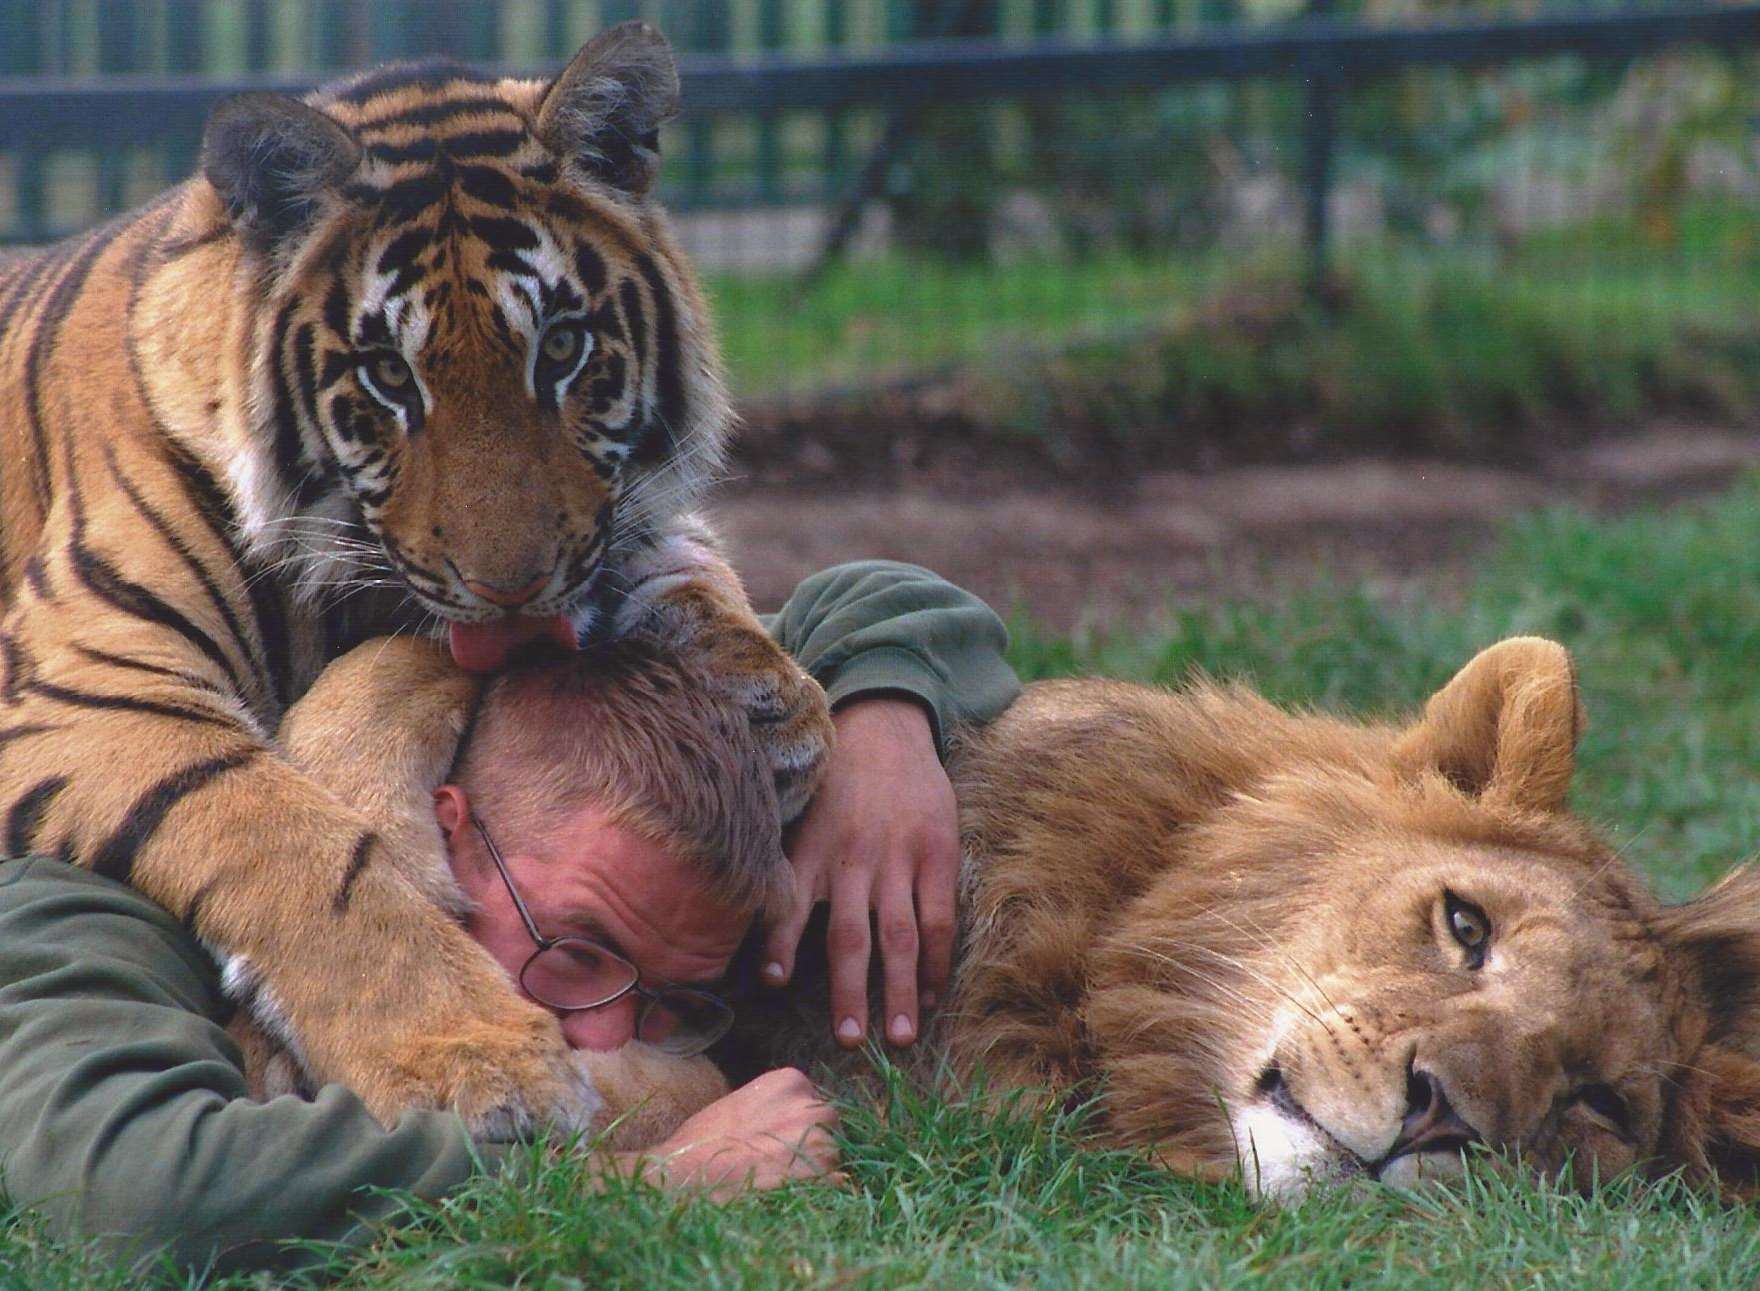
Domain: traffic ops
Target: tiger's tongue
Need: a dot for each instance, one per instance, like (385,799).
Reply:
(485,647)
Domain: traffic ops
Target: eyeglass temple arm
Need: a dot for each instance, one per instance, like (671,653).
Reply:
(518,901)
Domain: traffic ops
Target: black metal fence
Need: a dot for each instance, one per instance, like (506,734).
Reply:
(1010,168)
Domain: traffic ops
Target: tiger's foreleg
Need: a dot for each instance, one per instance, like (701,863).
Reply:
(683,589)
(128,745)
(380,728)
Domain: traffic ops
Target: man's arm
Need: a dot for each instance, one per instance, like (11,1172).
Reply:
(879,627)
(905,657)
(122,1102)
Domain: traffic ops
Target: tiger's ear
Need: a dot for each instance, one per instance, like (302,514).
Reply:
(272,159)
(1506,728)
(606,108)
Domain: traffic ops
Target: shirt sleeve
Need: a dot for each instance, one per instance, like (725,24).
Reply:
(881,627)
(123,1109)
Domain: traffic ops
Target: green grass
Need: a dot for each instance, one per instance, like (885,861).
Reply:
(1661,608)
(1663,612)
(881,320)
(1447,347)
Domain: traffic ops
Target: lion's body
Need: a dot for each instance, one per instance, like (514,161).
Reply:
(311,395)
(1233,922)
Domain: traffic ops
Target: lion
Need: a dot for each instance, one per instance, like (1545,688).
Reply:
(1302,950)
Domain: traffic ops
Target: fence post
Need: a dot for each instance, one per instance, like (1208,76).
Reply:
(558,32)
(711,32)
(184,50)
(22,55)
(769,153)
(1318,138)
(257,45)
(835,165)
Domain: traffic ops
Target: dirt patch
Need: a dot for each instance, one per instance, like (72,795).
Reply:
(1117,543)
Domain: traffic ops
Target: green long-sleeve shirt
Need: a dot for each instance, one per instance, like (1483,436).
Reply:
(123,1108)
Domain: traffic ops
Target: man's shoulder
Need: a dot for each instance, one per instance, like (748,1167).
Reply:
(27,879)
(47,905)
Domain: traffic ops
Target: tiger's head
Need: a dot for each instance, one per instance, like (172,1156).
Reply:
(476,347)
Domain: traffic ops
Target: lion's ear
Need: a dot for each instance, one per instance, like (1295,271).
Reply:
(1506,728)
(605,110)
(1714,940)
(1714,943)
(1715,1124)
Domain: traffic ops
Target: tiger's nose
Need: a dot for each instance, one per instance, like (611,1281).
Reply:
(503,597)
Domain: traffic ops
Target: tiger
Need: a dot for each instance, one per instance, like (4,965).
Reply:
(417,353)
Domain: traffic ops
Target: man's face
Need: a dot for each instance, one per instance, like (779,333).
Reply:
(584,876)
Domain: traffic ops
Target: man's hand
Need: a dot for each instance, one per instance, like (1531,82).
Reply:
(881,838)
(773,1131)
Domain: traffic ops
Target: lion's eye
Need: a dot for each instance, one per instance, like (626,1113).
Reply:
(1605,1105)
(1469,926)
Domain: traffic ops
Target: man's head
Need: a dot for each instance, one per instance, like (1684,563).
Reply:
(629,806)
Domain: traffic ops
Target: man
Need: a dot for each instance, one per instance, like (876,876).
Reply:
(123,1105)
(638,837)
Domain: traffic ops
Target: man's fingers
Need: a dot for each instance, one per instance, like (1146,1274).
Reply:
(817,1161)
(937,880)
(783,1081)
(847,942)
(784,936)
(898,957)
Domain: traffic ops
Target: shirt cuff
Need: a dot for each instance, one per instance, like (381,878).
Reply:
(888,670)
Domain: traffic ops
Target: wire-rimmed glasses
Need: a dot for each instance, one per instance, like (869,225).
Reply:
(574,974)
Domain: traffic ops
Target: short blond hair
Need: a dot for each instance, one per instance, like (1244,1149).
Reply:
(636,731)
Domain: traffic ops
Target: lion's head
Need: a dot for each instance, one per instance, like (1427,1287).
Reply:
(1312,950)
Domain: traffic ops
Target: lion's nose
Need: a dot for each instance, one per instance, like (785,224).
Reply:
(1431,1123)
(505,598)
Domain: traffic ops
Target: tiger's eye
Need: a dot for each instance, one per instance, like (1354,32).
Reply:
(391,372)
(562,343)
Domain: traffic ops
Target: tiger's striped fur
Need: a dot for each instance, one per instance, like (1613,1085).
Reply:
(311,395)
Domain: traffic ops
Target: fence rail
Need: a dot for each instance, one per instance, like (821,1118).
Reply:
(66,110)
(113,113)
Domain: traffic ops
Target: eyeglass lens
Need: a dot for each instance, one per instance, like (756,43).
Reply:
(680,1021)
(572,974)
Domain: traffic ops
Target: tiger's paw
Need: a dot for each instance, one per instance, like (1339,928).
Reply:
(789,714)
(791,721)
(684,594)
(506,1079)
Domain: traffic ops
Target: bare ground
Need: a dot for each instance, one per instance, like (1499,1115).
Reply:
(1076,549)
